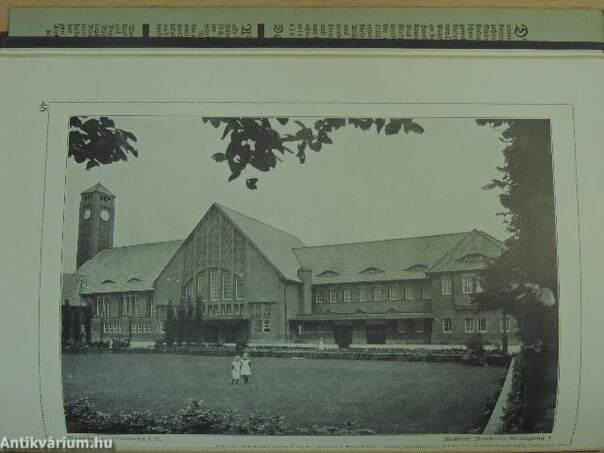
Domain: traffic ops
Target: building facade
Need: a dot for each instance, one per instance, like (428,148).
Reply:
(255,283)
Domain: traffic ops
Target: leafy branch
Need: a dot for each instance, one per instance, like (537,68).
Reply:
(260,142)
(97,141)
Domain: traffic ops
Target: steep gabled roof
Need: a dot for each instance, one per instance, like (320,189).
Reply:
(129,268)
(397,259)
(98,187)
(276,245)
(475,243)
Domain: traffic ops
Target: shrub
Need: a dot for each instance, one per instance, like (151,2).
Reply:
(82,417)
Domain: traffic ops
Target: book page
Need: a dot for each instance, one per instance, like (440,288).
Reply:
(302,249)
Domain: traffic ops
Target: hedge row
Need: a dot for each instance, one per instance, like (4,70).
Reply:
(491,358)
(82,417)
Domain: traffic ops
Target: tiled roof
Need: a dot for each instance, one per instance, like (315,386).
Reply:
(130,268)
(475,244)
(392,259)
(276,245)
(98,187)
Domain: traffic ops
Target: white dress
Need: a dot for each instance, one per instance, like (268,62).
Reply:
(246,369)
(235,369)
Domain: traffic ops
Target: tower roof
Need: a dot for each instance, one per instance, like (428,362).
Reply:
(98,187)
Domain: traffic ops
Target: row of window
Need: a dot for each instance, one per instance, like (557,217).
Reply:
(129,306)
(137,327)
(470,284)
(224,309)
(373,293)
(209,286)
(472,325)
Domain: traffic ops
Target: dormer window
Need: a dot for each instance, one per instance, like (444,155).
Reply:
(417,268)
(105,282)
(473,258)
(328,273)
(371,270)
(134,279)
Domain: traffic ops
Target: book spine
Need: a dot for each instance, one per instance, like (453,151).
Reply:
(307,23)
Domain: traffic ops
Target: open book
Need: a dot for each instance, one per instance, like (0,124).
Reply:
(302,248)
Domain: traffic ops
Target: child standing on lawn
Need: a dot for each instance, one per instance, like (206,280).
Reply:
(235,370)
(246,368)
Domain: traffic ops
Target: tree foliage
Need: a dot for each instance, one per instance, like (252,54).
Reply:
(96,141)
(527,197)
(260,142)
(170,325)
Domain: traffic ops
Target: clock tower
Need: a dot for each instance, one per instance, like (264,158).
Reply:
(96,222)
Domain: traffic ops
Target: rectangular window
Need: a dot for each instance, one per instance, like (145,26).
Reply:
(467,284)
(505,324)
(426,291)
(227,285)
(409,291)
(239,288)
(419,325)
(482,324)
(363,294)
(377,293)
(469,325)
(214,284)
(447,327)
(333,295)
(401,326)
(222,309)
(102,306)
(446,285)
(260,315)
(236,309)
(266,325)
(242,308)
(477,286)
(394,292)
(98,307)
(202,291)
(189,291)
(228,309)
(347,294)
(320,296)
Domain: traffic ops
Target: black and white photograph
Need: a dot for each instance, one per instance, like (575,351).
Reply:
(297,275)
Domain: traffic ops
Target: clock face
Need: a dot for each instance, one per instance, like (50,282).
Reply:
(105,215)
(86,214)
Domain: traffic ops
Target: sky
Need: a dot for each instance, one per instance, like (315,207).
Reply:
(363,187)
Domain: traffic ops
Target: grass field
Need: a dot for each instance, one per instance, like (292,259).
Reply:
(387,397)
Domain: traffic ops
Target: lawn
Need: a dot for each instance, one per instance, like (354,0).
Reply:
(387,397)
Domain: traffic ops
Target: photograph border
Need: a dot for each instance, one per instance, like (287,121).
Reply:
(46,106)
